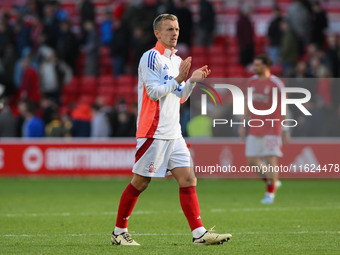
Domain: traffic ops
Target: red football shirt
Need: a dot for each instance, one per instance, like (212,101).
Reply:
(263,100)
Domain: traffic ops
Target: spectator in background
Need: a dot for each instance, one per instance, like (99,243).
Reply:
(7,46)
(18,69)
(333,56)
(165,6)
(122,122)
(67,45)
(34,7)
(319,25)
(81,121)
(206,24)
(8,121)
(141,43)
(301,70)
(245,36)
(289,48)
(313,66)
(87,12)
(7,87)
(106,29)
(51,26)
(36,32)
(60,13)
(299,18)
(91,49)
(51,75)
(33,126)
(48,109)
(324,86)
(56,128)
(29,86)
(120,47)
(22,34)
(184,16)
(275,35)
(100,125)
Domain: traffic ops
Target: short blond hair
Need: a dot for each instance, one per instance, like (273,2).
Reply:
(158,21)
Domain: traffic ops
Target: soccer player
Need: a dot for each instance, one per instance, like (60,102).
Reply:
(161,148)
(263,144)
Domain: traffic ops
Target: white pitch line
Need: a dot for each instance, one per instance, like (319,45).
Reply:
(174,234)
(215,210)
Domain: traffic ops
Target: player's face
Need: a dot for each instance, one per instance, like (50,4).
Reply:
(259,67)
(168,33)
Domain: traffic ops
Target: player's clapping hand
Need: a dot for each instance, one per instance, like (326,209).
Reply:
(200,74)
(184,70)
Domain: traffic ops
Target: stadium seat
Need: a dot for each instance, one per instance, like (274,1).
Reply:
(124,79)
(217,60)
(67,99)
(104,51)
(106,89)
(71,87)
(216,50)
(88,85)
(105,65)
(108,99)
(87,99)
(106,80)
(235,71)
(198,51)
(276,70)
(218,71)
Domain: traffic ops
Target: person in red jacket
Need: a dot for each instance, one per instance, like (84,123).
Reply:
(29,87)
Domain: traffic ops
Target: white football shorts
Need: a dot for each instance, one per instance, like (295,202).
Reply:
(263,146)
(157,157)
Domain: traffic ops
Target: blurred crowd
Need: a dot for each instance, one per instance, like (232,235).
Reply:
(40,48)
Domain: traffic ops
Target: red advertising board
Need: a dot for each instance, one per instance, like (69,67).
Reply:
(303,158)
(213,158)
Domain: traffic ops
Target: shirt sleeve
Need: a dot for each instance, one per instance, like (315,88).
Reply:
(151,73)
(187,90)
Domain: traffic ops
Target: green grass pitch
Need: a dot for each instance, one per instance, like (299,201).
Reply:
(77,216)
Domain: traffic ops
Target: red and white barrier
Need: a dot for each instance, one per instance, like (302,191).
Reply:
(306,158)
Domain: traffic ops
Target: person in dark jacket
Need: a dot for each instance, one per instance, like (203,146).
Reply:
(184,16)
(87,11)
(206,24)
(91,49)
(275,34)
(245,36)
(120,47)
(67,46)
(319,24)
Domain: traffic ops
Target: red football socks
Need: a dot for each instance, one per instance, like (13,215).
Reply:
(270,186)
(127,203)
(190,206)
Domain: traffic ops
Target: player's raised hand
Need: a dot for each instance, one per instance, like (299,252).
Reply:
(200,74)
(184,70)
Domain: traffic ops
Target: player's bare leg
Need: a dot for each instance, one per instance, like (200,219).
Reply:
(187,181)
(270,178)
(120,235)
(258,162)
